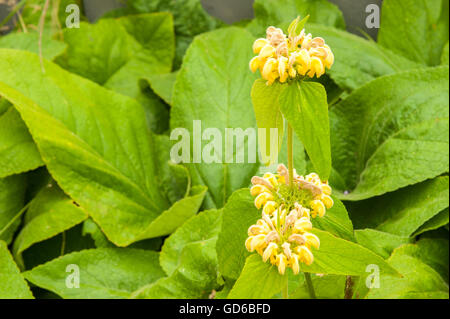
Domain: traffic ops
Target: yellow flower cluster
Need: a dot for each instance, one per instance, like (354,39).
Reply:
(282,234)
(282,57)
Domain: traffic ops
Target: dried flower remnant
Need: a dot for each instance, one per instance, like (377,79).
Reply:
(282,57)
(282,234)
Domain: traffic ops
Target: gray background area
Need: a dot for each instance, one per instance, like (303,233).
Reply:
(235,10)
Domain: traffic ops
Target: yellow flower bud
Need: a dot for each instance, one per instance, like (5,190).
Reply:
(270,251)
(282,261)
(303,224)
(295,265)
(327,201)
(248,243)
(269,72)
(255,230)
(282,69)
(303,61)
(269,207)
(318,207)
(326,189)
(258,241)
(317,67)
(305,255)
(259,44)
(258,189)
(312,240)
(267,51)
(271,178)
(262,198)
(255,64)
(330,57)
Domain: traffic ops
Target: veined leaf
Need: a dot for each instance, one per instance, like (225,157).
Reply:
(400,213)
(103,273)
(419,280)
(415,29)
(99,149)
(280,13)
(268,116)
(383,132)
(18,152)
(51,212)
(439,220)
(189,259)
(213,87)
(29,42)
(379,242)
(163,85)
(12,196)
(325,287)
(258,280)
(357,60)
(306,109)
(12,284)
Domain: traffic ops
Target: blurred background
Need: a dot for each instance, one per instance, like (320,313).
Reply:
(229,11)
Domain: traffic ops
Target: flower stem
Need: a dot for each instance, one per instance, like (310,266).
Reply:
(310,286)
(290,153)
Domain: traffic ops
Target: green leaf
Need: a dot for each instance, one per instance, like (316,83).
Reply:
(12,284)
(400,213)
(12,196)
(18,153)
(258,280)
(437,221)
(268,116)
(163,85)
(445,55)
(189,259)
(379,242)
(306,109)
(416,29)
(51,212)
(99,149)
(341,257)
(238,215)
(217,65)
(336,221)
(325,287)
(433,252)
(280,13)
(118,53)
(382,133)
(357,60)
(190,19)
(199,230)
(103,273)
(419,280)
(29,42)
(296,26)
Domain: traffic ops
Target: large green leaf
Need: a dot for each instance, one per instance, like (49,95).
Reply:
(383,132)
(189,259)
(12,284)
(419,280)
(380,242)
(30,42)
(12,195)
(118,53)
(439,220)
(341,257)
(51,212)
(304,104)
(258,280)
(238,215)
(190,19)
(18,153)
(325,287)
(103,273)
(280,13)
(214,86)
(268,116)
(401,213)
(99,149)
(416,29)
(357,60)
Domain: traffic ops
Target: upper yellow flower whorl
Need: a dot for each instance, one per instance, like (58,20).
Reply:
(282,234)
(282,57)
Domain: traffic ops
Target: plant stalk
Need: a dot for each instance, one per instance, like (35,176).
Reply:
(290,153)
(310,286)
(285,291)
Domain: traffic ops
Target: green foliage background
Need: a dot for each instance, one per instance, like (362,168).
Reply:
(86,176)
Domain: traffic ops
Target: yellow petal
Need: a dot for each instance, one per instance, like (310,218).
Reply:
(327,201)
(269,251)
(267,51)
(326,189)
(269,207)
(258,241)
(305,255)
(254,64)
(303,224)
(303,61)
(317,67)
(269,68)
(312,240)
(295,264)
(330,57)
(282,263)
(262,198)
(318,207)
(258,189)
(259,44)
(248,243)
